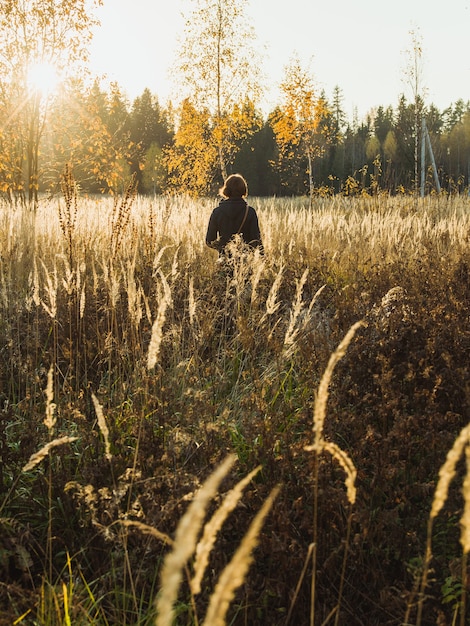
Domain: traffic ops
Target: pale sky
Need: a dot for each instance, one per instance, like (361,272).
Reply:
(358,45)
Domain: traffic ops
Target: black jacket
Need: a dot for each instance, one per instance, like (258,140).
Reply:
(226,220)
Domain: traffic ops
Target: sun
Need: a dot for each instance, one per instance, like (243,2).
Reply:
(43,77)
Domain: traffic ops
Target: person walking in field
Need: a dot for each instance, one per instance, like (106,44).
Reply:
(233,217)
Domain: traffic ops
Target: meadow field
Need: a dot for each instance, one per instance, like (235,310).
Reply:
(279,442)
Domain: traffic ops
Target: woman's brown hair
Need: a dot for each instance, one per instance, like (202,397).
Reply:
(234,187)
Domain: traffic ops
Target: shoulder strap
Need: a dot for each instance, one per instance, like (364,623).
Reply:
(244,219)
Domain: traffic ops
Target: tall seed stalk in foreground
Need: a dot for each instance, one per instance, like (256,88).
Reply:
(49,421)
(234,573)
(446,474)
(157,326)
(121,216)
(321,445)
(68,216)
(102,426)
(185,545)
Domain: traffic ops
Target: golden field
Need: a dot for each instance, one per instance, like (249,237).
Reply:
(133,365)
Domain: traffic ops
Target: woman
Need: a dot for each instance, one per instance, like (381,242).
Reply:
(233,217)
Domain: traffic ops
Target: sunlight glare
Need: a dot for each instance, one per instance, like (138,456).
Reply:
(43,77)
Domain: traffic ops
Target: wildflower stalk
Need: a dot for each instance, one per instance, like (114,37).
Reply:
(320,445)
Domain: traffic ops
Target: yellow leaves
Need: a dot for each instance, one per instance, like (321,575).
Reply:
(286,128)
(298,123)
(302,110)
(372,147)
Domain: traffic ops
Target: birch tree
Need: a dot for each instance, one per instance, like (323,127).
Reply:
(414,77)
(218,70)
(298,121)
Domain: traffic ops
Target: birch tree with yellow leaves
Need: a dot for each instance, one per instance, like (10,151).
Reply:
(298,123)
(218,72)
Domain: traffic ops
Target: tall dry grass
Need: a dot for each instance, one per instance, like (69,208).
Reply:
(160,362)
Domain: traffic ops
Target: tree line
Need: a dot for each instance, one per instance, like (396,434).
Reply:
(107,141)
(116,140)
(306,145)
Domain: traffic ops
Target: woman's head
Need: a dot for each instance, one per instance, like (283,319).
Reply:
(234,187)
